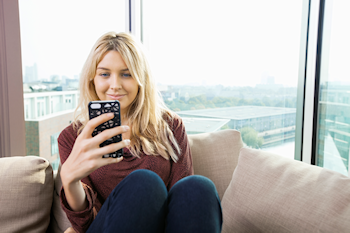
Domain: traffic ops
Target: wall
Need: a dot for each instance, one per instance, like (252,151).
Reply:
(12,127)
(38,134)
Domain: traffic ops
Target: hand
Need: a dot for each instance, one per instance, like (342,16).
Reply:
(70,230)
(86,155)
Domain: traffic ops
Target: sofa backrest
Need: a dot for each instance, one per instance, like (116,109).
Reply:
(215,155)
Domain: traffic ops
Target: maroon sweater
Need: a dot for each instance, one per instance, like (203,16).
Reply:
(99,184)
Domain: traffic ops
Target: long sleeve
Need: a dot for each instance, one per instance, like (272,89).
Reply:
(97,188)
(80,220)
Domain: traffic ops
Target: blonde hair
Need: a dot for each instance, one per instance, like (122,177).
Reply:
(148,114)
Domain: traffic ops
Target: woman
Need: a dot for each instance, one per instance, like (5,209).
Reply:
(152,187)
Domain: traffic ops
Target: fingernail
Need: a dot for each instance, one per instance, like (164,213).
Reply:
(110,114)
(125,128)
(127,141)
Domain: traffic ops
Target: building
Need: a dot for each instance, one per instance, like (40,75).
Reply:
(31,73)
(272,123)
(260,118)
(46,114)
(334,127)
(195,125)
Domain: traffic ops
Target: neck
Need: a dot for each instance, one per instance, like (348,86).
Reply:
(124,119)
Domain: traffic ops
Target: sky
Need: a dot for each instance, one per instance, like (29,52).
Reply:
(226,42)
(337,53)
(203,42)
(58,35)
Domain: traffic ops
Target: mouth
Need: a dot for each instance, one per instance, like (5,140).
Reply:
(115,97)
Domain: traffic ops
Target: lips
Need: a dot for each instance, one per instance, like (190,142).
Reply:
(115,97)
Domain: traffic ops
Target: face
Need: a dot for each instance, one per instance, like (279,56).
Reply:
(113,81)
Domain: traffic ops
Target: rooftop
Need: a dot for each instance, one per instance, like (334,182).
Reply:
(238,113)
(203,125)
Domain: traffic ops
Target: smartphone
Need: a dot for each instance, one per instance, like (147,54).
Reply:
(97,108)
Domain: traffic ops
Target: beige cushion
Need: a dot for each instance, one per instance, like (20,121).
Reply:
(215,155)
(26,187)
(271,193)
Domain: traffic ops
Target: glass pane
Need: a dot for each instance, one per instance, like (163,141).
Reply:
(56,37)
(228,65)
(334,106)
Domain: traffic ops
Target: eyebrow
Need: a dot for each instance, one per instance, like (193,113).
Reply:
(103,68)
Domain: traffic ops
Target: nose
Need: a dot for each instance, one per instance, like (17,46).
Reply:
(115,82)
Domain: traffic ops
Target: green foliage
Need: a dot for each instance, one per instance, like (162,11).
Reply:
(267,101)
(220,97)
(251,138)
(225,127)
(258,102)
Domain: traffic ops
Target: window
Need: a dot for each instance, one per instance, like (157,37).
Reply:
(55,41)
(40,106)
(27,109)
(202,33)
(333,126)
(233,61)
(54,144)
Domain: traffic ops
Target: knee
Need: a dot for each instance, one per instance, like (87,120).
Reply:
(144,177)
(143,181)
(196,196)
(144,174)
(196,185)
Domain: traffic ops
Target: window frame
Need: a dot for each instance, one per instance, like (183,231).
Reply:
(312,81)
(12,123)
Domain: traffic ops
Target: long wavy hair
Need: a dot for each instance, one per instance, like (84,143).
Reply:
(148,115)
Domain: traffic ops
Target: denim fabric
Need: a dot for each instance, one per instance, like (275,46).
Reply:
(141,203)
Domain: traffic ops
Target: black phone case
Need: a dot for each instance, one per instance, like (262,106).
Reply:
(97,108)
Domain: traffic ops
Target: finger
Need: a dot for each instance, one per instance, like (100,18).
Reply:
(93,123)
(106,161)
(109,133)
(70,230)
(112,148)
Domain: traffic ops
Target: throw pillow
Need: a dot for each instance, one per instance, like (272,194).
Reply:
(215,156)
(26,188)
(271,193)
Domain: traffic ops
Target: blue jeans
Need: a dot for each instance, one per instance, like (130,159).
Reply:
(141,203)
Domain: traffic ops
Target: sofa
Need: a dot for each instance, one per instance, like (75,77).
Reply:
(259,191)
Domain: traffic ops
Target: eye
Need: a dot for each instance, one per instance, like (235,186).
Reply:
(104,74)
(126,75)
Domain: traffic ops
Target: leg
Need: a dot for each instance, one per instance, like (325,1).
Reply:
(137,204)
(194,206)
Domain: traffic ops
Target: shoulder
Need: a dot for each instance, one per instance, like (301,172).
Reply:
(173,120)
(66,141)
(68,133)
(177,126)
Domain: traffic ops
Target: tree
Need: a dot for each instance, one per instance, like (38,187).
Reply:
(280,104)
(267,101)
(251,138)
(258,102)
(225,127)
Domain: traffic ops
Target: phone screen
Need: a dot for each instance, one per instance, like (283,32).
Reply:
(97,108)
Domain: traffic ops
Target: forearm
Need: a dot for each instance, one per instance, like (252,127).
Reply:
(76,196)
(74,192)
